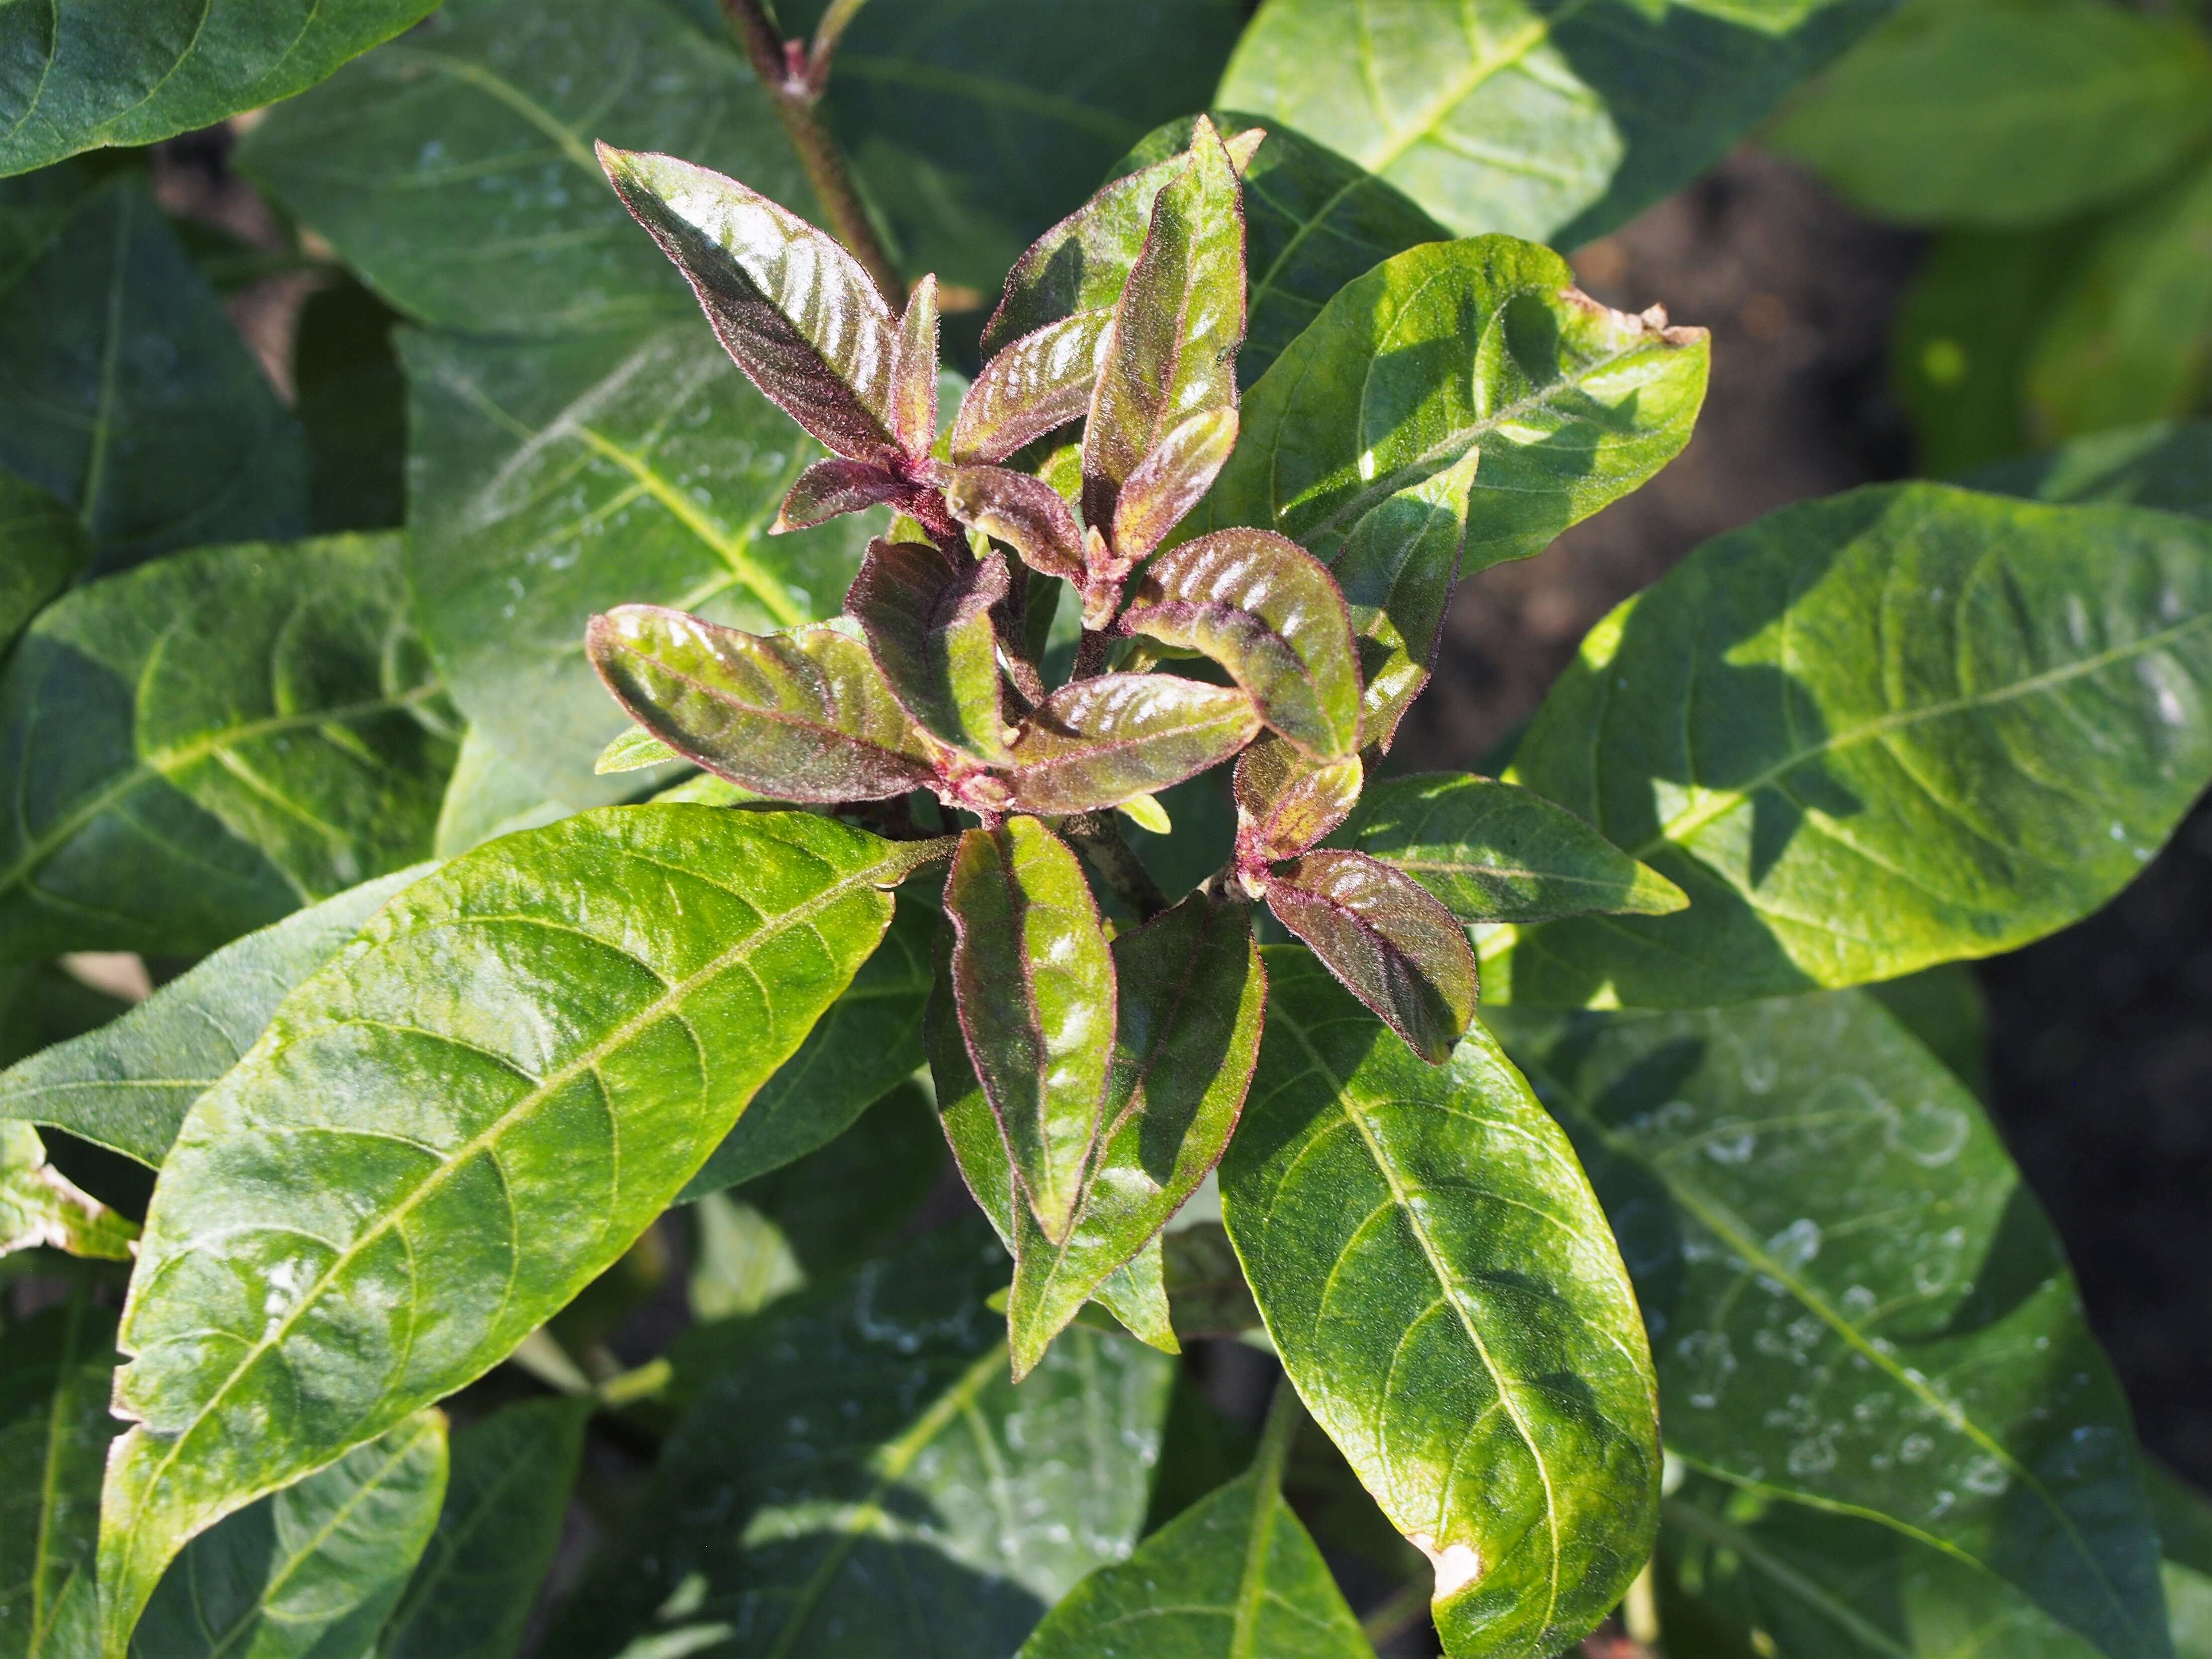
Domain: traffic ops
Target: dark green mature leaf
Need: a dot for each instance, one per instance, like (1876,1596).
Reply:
(545,1032)
(1095,743)
(1557,122)
(794,310)
(1972,718)
(81,74)
(42,546)
(1444,1292)
(1313,221)
(1190,997)
(489,794)
(1286,803)
(803,716)
(312,1569)
(976,123)
(1830,1586)
(1267,612)
(858,1052)
(1493,852)
(2005,112)
(1033,984)
(453,171)
(1481,347)
(197,747)
(2184,1526)
(128,1085)
(927,617)
(1393,946)
(125,392)
(845,1487)
(352,400)
(1945,1008)
(506,1499)
(2164,466)
(40,1206)
(554,480)
(55,1369)
(1852,1297)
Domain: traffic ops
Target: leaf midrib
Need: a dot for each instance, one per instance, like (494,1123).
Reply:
(65,1383)
(1479,70)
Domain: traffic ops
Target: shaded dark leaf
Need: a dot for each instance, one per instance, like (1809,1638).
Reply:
(927,616)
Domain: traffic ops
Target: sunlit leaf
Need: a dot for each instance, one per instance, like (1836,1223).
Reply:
(40,1206)
(1171,479)
(1096,741)
(1286,803)
(1026,512)
(634,751)
(927,617)
(832,487)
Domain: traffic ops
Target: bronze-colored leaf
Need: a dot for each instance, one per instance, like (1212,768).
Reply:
(1095,743)
(835,486)
(927,616)
(1286,802)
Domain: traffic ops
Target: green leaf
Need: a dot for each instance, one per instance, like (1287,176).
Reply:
(634,751)
(2184,1526)
(489,794)
(1853,1299)
(858,1051)
(1557,122)
(1494,852)
(1032,385)
(2003,113)
(794,310)
(55,1369)
(82,75)
(1026,513)
(125,392)
(353,407)
(1481,347)
(1945,1008)
(1286,803)
(926,614)
(555,479)
(804,716)
(1446,1295)
(2163,465)
(506,1498)
(128,1085)
(39,1206)
(452,170)
(1975,719)
(1393,946)
(1095,743)
(1204,1283)
(845,1487)
(42,549)
(913,397)
(2129,338)
(1190,995)
(199,746)
(1234,1575)
(312,1569)
(494,1039)
(1033,983)
(1267,612)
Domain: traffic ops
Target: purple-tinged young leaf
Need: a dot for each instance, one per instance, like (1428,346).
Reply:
(803,716)
(794,310)
(835,486)
(1171,351)
(1033,980)
(1286,802)
(1095,743)
(1397,568)
(913,373)
(1036,385)
(1026,513)
(1271,614)
(1392,944)
(927,617)
(1171,480)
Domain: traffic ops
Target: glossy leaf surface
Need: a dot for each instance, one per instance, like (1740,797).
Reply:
(1033,980)
(795,311)
(832,487)
(927,617)
(803,716)
(586,473)
(494,1041)
(314,1568)
(506,1497)
(128,1085)
(197,747)
(2165,466)
(1446,1295)
(1852,1297)
(1171,479)
(42,546)
(1096,741)
(55,1369)
(1026,512)
(453,169)
(126,391)
(1557,122)
(842,1488)
(1482,346)
(1494,852)
(80,75)
(1392,944)
(1286,803)
(1974,719)
(1032,385)
(1266,611)
(40,1206)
